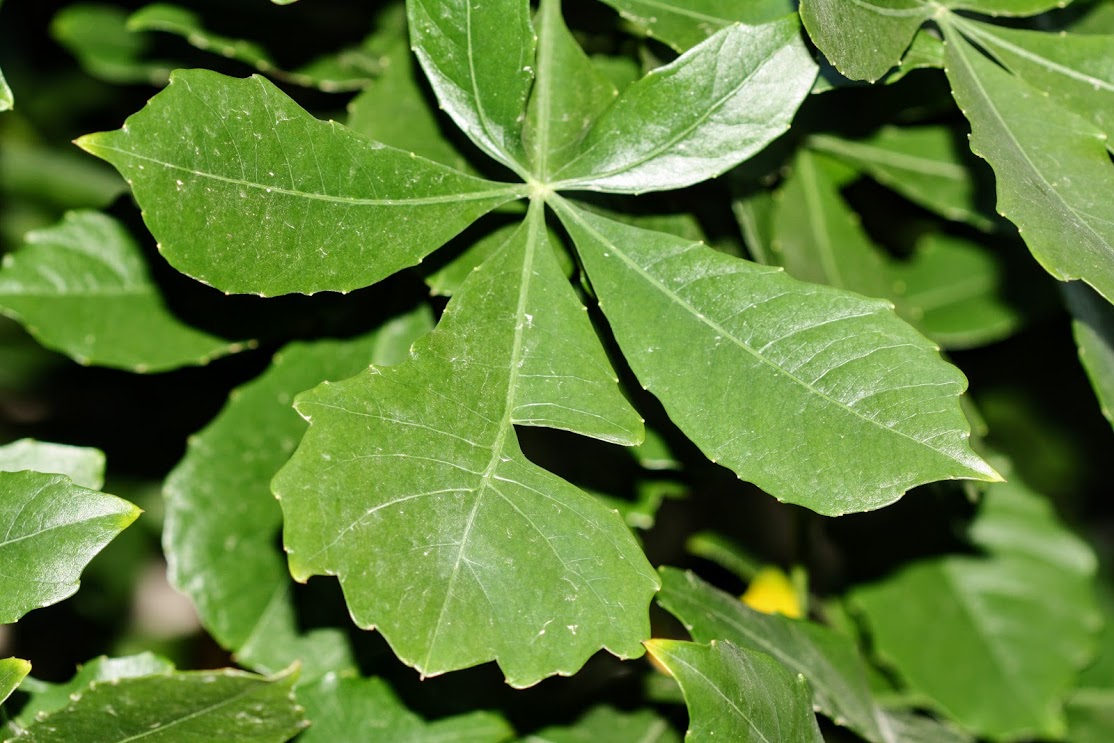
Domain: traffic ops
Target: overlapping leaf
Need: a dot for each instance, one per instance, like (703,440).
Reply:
(741,88)
(411,488)
(685,23)
(202,705)
(1051,165)
(737,694)
(341,708)
(12,672)
(1016,625)
(221,519)
(830,378)
(607,723)
(49,530)
(82,287)
(82,464)
(479,58)
(246,191)
(864,39)
(1093,326)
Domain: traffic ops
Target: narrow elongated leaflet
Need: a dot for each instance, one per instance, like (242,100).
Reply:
(741,88)
(685,23)
(12,672)
(246,191)
(863,39)
(800,385)
(1093,327)
(411,488)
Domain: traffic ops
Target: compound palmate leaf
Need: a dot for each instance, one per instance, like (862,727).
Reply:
(49,530)
(81,287)
(411,488)
(246,191)
(800,385)
(737,694)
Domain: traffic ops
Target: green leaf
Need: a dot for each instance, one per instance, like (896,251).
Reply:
(924,164)
(685,23)
(7,100)
(865,38)
(830,662)
(52,529)
(818,238)
(82,287)
(1077,70)
(1005,7)
(996,640)
(569,95)
(411,488)
(221,519)
(954,291)
(342,708)
(1051,165)
(1090,714)
(66,179)
(246,191)
(738,695)
(197,705)
(12,672)
(906,726)
(1093,327)
(187,24)
(83,465)
(831,378)
(605,723)
(741,87)
(479,59)
(98,36)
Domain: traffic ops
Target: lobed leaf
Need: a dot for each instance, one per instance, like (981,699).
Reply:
(82,464)
(411,488)
(246,191)
(341,707)
(800,385)
(51,529)
(479,59)
(864,39)
(1015,625)
(685,23)
(221,519)
(741,89)
(199,705)
(82,287)
(1051,167)
(736,694)
(12,672)
(1093,327)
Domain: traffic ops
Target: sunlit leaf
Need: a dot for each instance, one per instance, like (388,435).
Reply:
(12,672)
(831,378)
(221,519)
(411,488)
(742,87)
(1005,7)
(738,695)
(685,23)
(51,530)
(82,287)
(83,465)
(246,191)
(864,38)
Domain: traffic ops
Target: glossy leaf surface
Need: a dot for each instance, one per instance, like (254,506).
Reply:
(82,464)
(865,38)
(831,378)
(82,287)
(736,694)
(426,486)
(252,194)
(685,23)
(51,529)
(12,672)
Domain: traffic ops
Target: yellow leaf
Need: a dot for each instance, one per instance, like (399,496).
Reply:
(771,592)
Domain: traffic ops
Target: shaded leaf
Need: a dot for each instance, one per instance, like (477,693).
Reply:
(922,163)
(97,35)
(51,530)
(1093,327)
(82,287)
(864,39)
(1090,715)
(1005,7)
(479,59)
(831,378)
(7,100)
(736,694)
(196,705)
(741,89)
(411,488)
(342,708)
(685,23)
(221,519)
(831,663)
(246,191)
(1051,165)
(66,179)
(1016,624)
(909,727)
(605,723)
(12,672)
(82,464)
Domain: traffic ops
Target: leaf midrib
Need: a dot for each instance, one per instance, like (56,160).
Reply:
(871,154)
